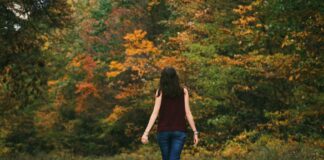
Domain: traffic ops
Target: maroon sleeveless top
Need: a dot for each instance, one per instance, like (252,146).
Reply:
(172,114)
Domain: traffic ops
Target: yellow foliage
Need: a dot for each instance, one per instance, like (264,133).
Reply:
(242,9)
(45,46)
(195,96)
(117,112)
(116,69)
(277,65)
(116,65)
(43,37)
(139,54)
(244,32)
(182,37)
(112,73)
(245,20)
(286,41)
(259,25)
(140,47)
(75,62)
(234,149)
(244,87)
(4,150)
(138,34)
(256,2)
(136,44)
(152,3)
(275,148)
(244,136)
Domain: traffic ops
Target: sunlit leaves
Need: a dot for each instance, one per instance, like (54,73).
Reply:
(115,69)
(243,21)
(252,68)
(117,112)
(127,92)
(86,88)
(139,54)
(242,9)
(276,66)
(136,44)
(181,39)
(152,3)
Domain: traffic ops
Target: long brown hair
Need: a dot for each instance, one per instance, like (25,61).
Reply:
(169,83)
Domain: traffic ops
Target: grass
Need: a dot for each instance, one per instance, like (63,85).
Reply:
(266,148)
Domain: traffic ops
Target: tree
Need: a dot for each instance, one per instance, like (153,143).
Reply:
(24,29)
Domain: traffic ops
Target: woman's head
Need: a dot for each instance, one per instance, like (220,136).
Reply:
(169,83)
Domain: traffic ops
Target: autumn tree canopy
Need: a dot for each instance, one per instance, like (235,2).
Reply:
(79,77)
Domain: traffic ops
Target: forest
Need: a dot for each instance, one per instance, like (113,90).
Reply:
(78,77)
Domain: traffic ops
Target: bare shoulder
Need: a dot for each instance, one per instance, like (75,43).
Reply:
(185,89)
(157,93)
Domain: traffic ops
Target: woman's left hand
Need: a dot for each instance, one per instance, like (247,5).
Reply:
(144,139)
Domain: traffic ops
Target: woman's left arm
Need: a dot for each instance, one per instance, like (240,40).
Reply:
(155,113)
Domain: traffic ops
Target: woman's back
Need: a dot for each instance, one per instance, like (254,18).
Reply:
(172,114)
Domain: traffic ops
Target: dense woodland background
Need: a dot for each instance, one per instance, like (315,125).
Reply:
(78,77)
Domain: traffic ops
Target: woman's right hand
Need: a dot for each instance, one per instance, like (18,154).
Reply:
(144,139)
(196,139)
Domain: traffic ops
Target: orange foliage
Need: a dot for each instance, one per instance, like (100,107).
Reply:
(126,92)
(84,89)
(46,120)
(169,61)
(181,39)
(88,65)
(52,82)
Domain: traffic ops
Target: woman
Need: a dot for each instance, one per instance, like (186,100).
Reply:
(172,107)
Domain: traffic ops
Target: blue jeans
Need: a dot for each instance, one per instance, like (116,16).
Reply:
(171,144)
